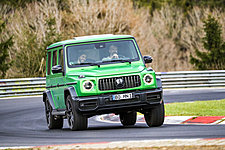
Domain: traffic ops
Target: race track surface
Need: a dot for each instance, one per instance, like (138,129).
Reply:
(22,123)
(195,94)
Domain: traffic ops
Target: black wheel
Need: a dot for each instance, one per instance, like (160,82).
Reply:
(155,116)
(128,118)
(52,121)
(76,120)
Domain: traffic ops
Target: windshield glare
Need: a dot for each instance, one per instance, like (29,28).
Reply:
(101,53)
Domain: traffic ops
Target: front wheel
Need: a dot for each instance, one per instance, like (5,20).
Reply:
(155,116)
(52,121)
(76,120)
(128,118)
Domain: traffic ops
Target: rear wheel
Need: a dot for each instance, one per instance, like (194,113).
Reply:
(155,116)
(53,122)
(128,118)
(76,120)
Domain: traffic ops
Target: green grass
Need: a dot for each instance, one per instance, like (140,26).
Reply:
(197,108)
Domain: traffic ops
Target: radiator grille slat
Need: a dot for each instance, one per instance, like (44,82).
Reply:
(132,83)
(107,84)
(110,83)
(128,86)
(135,81)
(103,82)
(126,82)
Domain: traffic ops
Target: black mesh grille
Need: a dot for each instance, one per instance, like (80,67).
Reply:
(153,97)
(128,101)
(88,104)
(111,84)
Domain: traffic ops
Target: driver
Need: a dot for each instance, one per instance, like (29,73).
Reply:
(113,53)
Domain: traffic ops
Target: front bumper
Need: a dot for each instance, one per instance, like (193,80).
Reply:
(94,105)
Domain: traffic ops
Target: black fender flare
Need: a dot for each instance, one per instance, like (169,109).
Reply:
(70,91)
(48,94)
(159,82)
(159,85)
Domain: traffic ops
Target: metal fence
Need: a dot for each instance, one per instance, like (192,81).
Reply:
(21,86)
(192,79)
(178,79)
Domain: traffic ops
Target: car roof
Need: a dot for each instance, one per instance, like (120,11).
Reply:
(89,38)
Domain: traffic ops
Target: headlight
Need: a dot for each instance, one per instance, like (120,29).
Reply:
(88,85)
(148,79)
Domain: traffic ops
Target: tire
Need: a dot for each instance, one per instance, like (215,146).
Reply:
(76,121)
(52,121)
(155,116)
(128,118)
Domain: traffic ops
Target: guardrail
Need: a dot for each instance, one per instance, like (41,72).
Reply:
(21,86)
(192,79)
(178,79)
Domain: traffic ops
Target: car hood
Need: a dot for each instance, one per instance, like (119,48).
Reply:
(104,70)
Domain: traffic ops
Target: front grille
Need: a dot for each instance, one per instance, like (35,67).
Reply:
(111,84)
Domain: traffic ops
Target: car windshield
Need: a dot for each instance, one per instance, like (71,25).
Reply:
(101,53)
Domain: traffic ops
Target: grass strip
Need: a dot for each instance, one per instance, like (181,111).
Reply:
(197,108)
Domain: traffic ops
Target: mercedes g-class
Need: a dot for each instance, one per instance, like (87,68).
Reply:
(100,74)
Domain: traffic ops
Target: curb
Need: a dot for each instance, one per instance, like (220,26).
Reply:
(207,120)
(218,143)
(145,144)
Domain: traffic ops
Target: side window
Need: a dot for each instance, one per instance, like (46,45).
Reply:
(54,61)
(61,58)
(49,63)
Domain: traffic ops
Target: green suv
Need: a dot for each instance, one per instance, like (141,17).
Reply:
(100,74)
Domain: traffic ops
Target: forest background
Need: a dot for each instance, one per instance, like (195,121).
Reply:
(168,30)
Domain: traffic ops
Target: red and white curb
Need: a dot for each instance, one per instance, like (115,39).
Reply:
(207,120)
(17,147)
(132,144)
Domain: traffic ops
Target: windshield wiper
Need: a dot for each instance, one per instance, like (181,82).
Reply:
(88,63)
(119,60)
(91,64)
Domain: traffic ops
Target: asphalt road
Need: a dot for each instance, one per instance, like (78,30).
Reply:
(22,123)
(195,94)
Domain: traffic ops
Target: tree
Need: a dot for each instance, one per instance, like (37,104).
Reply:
(16,3)
(214,56)
(30,61)
(4,46)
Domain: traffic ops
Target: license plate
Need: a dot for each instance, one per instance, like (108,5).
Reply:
(122,96)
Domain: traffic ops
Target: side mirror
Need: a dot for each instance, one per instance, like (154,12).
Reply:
(148,59)
(57,69)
